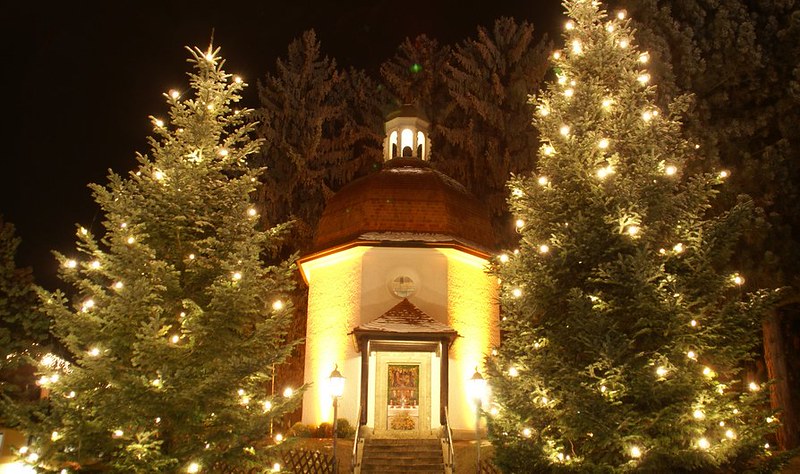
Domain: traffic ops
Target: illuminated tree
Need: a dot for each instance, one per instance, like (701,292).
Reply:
(624,327)
(176,322)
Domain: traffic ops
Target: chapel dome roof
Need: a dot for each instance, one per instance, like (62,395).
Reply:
(407,201)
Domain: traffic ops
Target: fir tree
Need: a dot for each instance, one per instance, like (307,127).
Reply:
(624,327)
(489,132)
(319,134)
(176,321)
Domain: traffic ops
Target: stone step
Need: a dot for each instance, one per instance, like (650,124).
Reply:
(395,456)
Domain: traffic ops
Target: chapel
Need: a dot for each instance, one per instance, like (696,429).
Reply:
(399,299)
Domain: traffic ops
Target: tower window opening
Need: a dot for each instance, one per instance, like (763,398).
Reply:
(421,146)
(407,141)
(393,144)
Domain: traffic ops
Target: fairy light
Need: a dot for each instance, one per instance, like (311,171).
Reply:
(70,263)
(543,180)
(83,231)
(516,292)
(603,389)
(87,305)
(237,79)
(288,392)
(770,419)
(569,25)
(636,453)
(569,92)
(516,192)
(252,212)
(606,104)
(647,115)
(279,437)
(703,443)
(708,372)
(602,173)
(544,111)
(94,351)
(159,123)
(236,276)
(175,338)
(276,467)
(520,223)
(661,371)
(191,256)
(624,43)
(577,47)
(182,314)
(678,248)
(544,248)
(603,143)
(633,230)
(693,323)
(557,55)
(549,150)
(513,372)
(123,225)
(564,130)
(209,58)
(670,170)
(119,433)
(621,14)
(157,383)
(737,279)
(55,436)
(643,78)
(698,415)
(174,94)
(730,434)
(267,405)
(277,305)
(723,173)
(95,264)
(503,258)
(526,432)
(32,458)
(562,80)
(753,387)
(610,27)
(158,175)
(194,468)
(223,152)
(644,58)
(692,355)
(131,240)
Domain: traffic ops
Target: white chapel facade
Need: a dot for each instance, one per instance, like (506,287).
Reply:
(398,295)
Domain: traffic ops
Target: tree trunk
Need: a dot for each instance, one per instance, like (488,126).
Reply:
(775,355)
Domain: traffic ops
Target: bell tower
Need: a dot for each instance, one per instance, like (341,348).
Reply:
(407,135)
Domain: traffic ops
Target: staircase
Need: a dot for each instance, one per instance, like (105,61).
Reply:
(418,456)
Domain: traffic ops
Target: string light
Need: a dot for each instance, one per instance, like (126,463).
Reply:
(569,92)
(570,25)
(94,351)
(520,223)
(723,173)
(131,240)
(267,405)
(191,256)
(703,443)
(643,78)
(236,276)
(526,432)
(503,258)
(603,143)
(276,467)
(644,58)
(543,180)
(670,170)
(602,173)
(118,285)
(549,150)
(693,323)
(516,292)
(279,437)
(708,372)
(70,263)
(159,123)
(252,212)
(606,104)
(737,279)
(544,111)
(513,372)
(691,355)
(633,230)
(118,433)
(661,371)
(517,192)
(562,79)
(610,27)
(730,434)
(557,55)
(564,130)
(753,387)
(175,339)
(647,115)
(174,94)
(158,174)
(678,248)
(223,152)
(698,415)
(621,14)
(577,47)
(87,305)
(237,79)
(95,264)
(156,383)
(277,305)
(288,392)
(623,43)
(544,248)
(194,468)
(636,453)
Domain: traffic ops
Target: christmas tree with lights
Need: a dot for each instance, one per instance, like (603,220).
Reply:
(624,329)
(176,323)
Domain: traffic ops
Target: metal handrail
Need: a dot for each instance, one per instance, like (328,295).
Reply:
(451,455)
(354,460)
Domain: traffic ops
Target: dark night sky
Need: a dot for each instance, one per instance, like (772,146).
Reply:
(82,81)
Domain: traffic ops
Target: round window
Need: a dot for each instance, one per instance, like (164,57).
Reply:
(403,286)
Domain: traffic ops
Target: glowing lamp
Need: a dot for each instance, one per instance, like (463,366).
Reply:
(336,383)
(476,386)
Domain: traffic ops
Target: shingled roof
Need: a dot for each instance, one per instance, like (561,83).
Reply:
(407,320)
